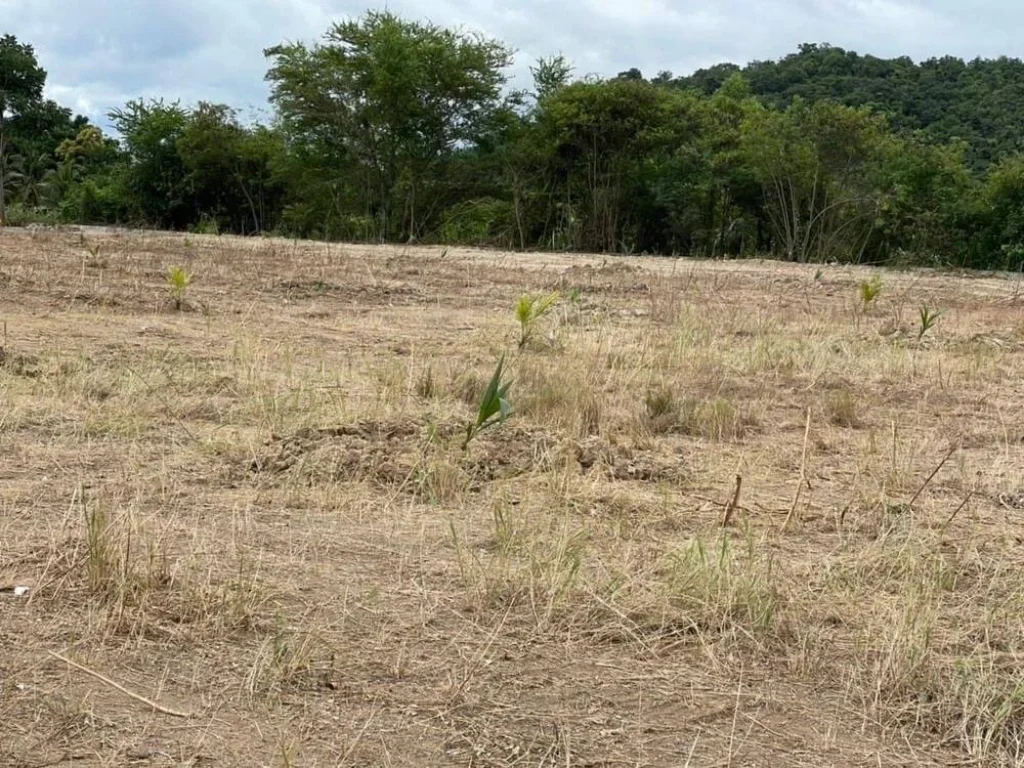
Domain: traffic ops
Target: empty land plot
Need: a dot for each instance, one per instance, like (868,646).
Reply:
(255,510)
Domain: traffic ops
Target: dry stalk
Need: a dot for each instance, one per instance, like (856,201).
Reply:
(733,503)
(803,474)
(956,512)
(935,471)
(121,688)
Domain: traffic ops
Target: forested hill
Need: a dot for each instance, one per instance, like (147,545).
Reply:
(980,102)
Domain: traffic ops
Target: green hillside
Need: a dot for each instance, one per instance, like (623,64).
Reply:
(980,102)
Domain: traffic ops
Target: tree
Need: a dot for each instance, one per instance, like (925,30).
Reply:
(392,101)
(229,168)
(926,200)
(630,74)
(597,136)
(155,176)
(550,73)
(21,86)
(1001,218)
(812,161)
(980,102)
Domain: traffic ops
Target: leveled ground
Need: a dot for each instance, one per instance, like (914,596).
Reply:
(255,510)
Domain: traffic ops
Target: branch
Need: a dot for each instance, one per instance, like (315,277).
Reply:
(121,688)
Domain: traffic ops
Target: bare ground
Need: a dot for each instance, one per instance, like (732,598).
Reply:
(254,513)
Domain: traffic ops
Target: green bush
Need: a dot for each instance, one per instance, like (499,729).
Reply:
(20,215)
(485,221)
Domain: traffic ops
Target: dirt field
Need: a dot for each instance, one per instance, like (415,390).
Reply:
(256,512)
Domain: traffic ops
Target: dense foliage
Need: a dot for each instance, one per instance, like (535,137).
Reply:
(980,102)
(392,130)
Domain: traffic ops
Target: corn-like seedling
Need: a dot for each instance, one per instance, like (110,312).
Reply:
(178,280)
(928,318)
(494,405)
(869,289)
(529,309)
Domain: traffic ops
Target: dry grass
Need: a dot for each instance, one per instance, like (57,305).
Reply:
(254,508)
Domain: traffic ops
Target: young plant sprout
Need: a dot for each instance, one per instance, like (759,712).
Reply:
(529,309)
(494,405)
(178,281)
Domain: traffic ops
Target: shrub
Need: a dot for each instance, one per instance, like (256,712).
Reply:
(486,221)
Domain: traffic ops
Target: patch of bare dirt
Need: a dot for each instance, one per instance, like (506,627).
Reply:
(393,454)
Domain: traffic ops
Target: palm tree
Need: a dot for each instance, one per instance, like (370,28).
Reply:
(34,168)
(57,182)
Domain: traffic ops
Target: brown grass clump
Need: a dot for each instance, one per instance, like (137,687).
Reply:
(715,418)
(841,409)
(252,534)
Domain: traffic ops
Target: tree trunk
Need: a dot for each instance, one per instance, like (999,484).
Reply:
(252,204)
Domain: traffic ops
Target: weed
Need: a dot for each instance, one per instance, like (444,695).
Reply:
(102,564)
(559,398)
(984,711)
(841,409)
(663,409)
(717,590)
(284,658)
(714,419)
(426,385)
(207,225)
(467,386)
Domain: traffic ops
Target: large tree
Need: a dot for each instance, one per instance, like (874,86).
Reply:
(814,162)
(155,177)
(21,88)
(391,101)
(229,168)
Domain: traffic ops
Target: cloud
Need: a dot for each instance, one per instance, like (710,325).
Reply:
(101,53)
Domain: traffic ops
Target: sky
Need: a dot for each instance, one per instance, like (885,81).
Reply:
(101,53)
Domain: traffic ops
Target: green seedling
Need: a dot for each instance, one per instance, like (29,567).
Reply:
(494,405)
(928,318)
(178,281)
(869,289)
(529,309)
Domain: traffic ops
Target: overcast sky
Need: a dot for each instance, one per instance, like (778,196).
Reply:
(100,53)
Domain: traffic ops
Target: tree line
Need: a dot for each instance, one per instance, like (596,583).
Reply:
(391,130)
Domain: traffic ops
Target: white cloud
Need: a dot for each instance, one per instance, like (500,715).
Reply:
(100,53)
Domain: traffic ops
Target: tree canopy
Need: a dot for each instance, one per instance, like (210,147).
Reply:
(395,130)
(980,102)
(31,127)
